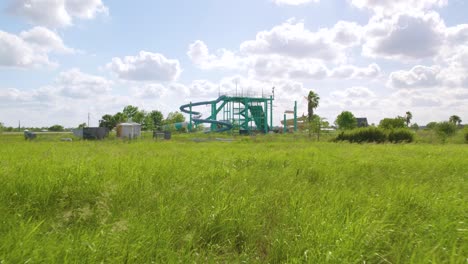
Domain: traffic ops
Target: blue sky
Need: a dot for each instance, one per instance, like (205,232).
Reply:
(60,59)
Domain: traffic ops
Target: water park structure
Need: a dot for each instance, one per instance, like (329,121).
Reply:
(240,113)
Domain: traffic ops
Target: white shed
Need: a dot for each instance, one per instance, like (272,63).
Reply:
(128,130)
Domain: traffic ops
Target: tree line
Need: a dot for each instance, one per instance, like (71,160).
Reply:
(152,120)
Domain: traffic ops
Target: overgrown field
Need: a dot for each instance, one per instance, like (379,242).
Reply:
(258,201)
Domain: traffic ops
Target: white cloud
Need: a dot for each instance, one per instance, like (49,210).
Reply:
(293,40)
(146,66)
(30,48)
(392,6)
(76,84)
(353,72)
(418,77)
(294,2)
(56,13)
(404,36)
(45,40)
(224,59)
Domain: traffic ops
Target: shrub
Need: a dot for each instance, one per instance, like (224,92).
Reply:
(391,123)
(401,135)
(466,135)
(361,135)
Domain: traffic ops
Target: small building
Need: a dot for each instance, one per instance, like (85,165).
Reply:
(128,130)
(91,132)
(362,122)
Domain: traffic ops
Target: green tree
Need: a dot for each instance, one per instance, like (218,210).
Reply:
(120,117)
(415,126)
(131,112)
(445,130)
(82,125)
(56,128)
(312,103)
(408,117)
(392,123)
(174,117)
(455,120)
(156,118)
(107,121)
(346,120)
(431,125)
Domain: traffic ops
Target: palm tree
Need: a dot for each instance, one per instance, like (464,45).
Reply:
(455,119)
(312,103)
(408,118)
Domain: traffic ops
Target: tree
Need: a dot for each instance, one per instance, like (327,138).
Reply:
(82,125)
(455,120)
(408,118)
(107,121)
(312,103)
(445,130)
(156,118)
(346,120)
(130,111)
(120,117)
(56,128)
(431,125)
(174,117)
(415,126)
(392,123)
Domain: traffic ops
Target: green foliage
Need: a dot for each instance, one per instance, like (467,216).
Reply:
(445,130)
(108,121)
(312,103)
(56,128)
(157,118)
(392,123)
(346,121)
(431,125)
(363,135)
(408,117)
(455,120)
(465,132)
(274,202)
(82,125)
(401,135)
(415,126)
(174,117)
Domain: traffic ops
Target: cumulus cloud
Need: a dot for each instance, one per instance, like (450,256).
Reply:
(418,77)
(224,59)
(393,6)
(354,72)
(56,13)
(76,84)
(294,40)
(30,48)
(404,36)
(294,2)
(146,66)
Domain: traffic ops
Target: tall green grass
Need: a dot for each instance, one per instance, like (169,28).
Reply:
(257,200)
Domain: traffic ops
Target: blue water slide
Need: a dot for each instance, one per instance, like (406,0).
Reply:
(196,116)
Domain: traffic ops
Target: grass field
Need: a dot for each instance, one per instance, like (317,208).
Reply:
(254,200)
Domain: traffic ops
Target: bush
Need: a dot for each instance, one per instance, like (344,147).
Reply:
(445,130)
(401,135)
(392,123)
(361,135)
(466,135)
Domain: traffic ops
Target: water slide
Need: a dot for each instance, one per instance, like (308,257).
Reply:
(197,117)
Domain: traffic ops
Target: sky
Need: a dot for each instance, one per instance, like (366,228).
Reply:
(63,59)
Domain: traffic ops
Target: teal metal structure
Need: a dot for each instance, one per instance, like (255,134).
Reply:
(241,114)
